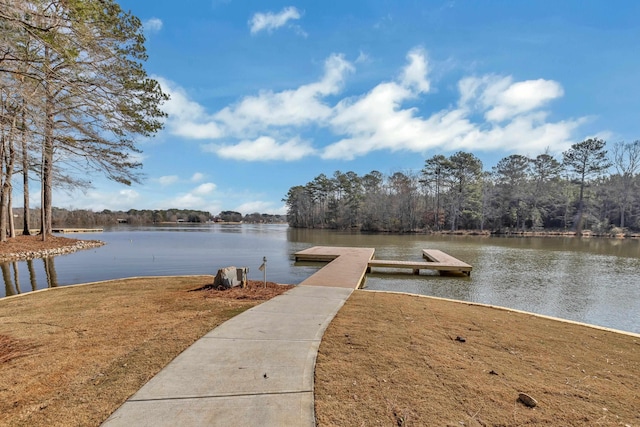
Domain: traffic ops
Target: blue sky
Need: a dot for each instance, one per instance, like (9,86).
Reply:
(267,95)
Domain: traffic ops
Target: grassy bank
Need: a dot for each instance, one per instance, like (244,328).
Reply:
(400,360)
(72,355)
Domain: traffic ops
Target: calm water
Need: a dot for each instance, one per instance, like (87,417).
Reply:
(589,280)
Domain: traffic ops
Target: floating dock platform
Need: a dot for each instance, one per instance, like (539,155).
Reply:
(436,260)
(347,266)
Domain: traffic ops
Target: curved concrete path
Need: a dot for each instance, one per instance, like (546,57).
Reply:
(255,369)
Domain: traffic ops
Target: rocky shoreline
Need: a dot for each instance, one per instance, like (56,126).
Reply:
(35,248)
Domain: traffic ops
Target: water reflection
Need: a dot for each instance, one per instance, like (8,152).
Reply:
(16,275)
(12,282)
(32,275)
(8,282)
(50,270)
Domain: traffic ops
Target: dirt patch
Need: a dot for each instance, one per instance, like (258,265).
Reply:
(256,291)
(12,349)
(72,355)
(389,359)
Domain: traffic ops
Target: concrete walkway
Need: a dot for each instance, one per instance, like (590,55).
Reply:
(255,369)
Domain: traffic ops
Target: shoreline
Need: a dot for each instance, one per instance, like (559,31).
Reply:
(26,248)
(488,233)
(64,245)
(431,297)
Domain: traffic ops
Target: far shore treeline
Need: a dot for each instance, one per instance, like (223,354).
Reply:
(87,218)
(588,188)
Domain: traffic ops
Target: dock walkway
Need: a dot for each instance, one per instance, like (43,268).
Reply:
(346,269)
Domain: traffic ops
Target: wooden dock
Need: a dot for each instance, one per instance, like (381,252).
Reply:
(346,269)
(77,230)
(347,266)
(436,260)
(445,262)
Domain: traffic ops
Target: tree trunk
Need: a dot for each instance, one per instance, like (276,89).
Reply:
(580,207)
(9,192)
(12,222)
(47,154)
(8,157)
(26,224)
(47,176)
(3,212)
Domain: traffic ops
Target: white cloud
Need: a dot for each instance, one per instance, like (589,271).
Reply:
(362,58)
(514,121)
(524,96)
(168,179)
(272,21)
(188,199)
(152,25)
(281,210)
(197,177)
(204,189)
(295,107)
(255,115)
(414,74)
(526,133)
(502,99)
(197,198)
(191,201)
(186,118)
(264,148)
(261,207)
(201,189)
(98,201)
(492,113)
(193,130)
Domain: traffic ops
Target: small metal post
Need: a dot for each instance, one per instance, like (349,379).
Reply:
(263,268)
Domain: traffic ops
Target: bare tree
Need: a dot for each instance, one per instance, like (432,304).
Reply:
(95,95)
(8,129)
(626,160)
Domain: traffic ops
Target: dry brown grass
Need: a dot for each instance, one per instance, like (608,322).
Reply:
(72,355)
(394,360)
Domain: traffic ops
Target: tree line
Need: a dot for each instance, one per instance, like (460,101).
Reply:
(588,188)
(74,97)
(61,217)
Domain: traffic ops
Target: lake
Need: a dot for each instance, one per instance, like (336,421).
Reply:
(591,280)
